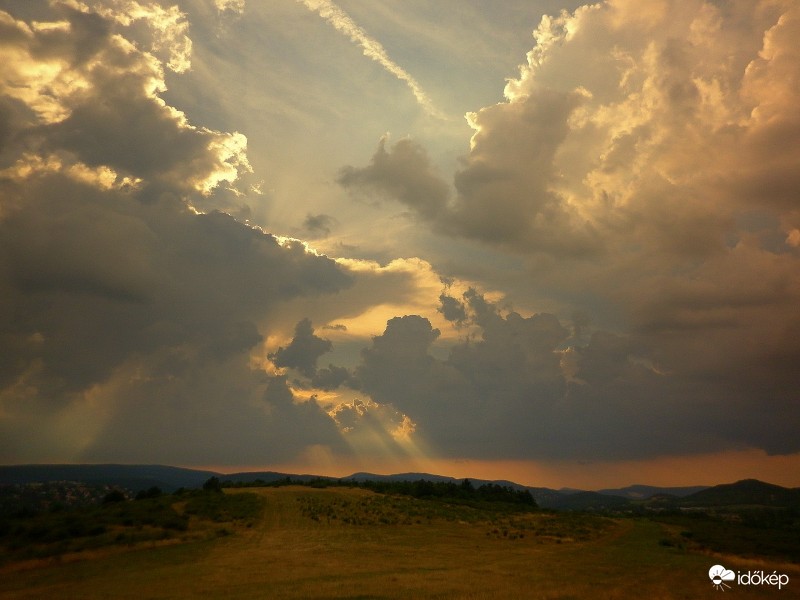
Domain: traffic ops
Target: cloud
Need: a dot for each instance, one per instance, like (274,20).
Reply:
(378,292)
(503,194)
(452,309)
(506,194)
(373,429)
(643,166)
(165,32)
(95,99)
(303,351)
(119,302)
(477,400)
(131,322)
(373,49)
(525,388)
(615,137)
(332,377)
(236,6)
(404,173)
(639,177)
(318,225)
(222,422)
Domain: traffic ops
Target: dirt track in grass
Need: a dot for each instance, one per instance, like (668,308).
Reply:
(350,543)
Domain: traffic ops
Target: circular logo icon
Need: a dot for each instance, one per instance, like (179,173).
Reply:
(719,575)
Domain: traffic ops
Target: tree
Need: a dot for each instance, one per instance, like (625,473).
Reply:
(153,492)
(213,485)
(113,496)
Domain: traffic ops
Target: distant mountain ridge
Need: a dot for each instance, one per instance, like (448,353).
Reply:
(141,477)
(746,492)
(642,492)
(134,477)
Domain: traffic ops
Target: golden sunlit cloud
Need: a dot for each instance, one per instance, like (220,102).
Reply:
(230,150)
(236,6)
(634,189)
(47,83)
(169,27)
(101,177)
(419,295)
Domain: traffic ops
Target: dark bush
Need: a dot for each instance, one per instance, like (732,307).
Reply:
(153,492)
(213,485)
(113,497)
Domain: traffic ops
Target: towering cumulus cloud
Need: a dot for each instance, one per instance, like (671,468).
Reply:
(127,317)
(611,272)
(645,165)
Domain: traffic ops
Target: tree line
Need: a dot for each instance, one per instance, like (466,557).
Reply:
(421,488)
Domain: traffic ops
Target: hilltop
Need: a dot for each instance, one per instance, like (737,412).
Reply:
(749,492)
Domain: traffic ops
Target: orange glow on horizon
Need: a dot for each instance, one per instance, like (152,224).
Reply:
(673,471)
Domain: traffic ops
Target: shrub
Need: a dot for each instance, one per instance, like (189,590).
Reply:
(113,497)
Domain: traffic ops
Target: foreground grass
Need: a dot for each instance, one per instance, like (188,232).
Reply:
(125,524)
(347,543)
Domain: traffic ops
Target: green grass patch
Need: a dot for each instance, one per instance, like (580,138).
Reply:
(734,534)
(123,523)
(393,547)
(221,508)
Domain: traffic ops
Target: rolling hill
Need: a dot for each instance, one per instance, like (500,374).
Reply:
(749,492)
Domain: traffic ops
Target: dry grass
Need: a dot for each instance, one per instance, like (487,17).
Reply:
(288,554)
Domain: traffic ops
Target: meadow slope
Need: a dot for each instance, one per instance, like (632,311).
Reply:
(351,543)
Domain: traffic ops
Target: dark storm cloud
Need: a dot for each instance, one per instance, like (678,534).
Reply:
(398,362)
(97,284)
(644,166)
(303,351)
(506,195)
(318,225)
(332,377)
(222,421)
(129,321)
(485,397)
(521,389)
(452,309)
(403,172)
(503,192)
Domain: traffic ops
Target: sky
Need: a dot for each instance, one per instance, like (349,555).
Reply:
(532,240)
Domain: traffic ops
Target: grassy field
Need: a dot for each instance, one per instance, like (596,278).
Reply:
(350,543)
